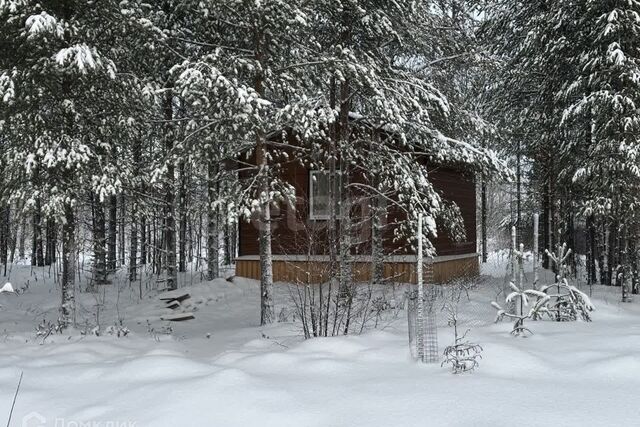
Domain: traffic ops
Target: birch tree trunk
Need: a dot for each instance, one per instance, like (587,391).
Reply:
(267,313)
(346,259)
(333,215)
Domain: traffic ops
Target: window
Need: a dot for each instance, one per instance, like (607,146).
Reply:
(319,194)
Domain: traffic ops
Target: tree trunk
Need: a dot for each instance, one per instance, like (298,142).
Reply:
(346,258)
(483,219)
(143,239)
(54,241)
(190,241)
(605,275)
(267,311)
(47,242)
(67,308)
(158,243)
(377,246)
(325,302)
(213,230)
(133,244)
(591,251)
(229,240)
(553,223)
(378,218)
(198,249)
(518,196)
(23,237)
(113,227)
(38,253)
(50,254)
(121,234)
(14,232)
(99,240)
(346,289)
(633,261)
(182,209)
(4,236)
(169,198)
(153,241)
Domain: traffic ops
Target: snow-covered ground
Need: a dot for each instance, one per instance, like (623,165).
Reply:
(221,369)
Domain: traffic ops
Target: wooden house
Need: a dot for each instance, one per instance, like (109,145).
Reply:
(300,239)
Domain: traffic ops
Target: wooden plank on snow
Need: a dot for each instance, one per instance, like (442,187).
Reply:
(173,304)
(178,317)
(177,295)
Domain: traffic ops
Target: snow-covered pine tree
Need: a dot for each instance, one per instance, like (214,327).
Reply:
(369,69)
(57,61)
(234,81)
(604,92)
(526,310)
(568,93)
(355,82)
(530,62)
(462,355)
(566,302)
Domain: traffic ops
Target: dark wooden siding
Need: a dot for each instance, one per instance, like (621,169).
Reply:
(295,234)
(456,187)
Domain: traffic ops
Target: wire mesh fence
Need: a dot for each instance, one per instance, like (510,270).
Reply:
(468,299)
(423,336)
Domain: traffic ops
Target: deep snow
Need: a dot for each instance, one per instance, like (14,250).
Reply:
(222,370)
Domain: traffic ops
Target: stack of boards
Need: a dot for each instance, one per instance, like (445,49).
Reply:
(174,300)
